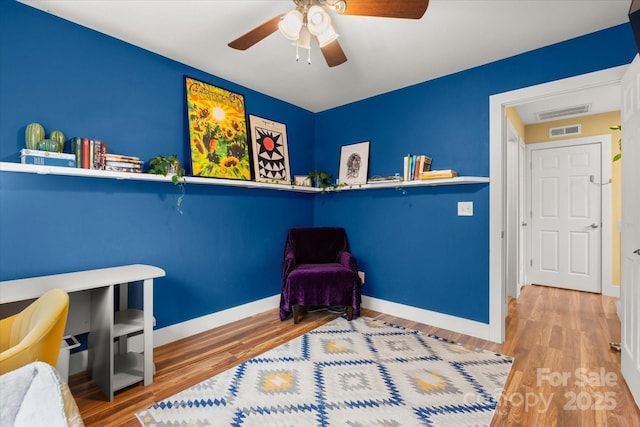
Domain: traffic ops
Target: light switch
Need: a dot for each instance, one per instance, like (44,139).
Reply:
(465,208)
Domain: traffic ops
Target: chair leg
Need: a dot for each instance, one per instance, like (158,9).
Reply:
(349,313)
(298,313)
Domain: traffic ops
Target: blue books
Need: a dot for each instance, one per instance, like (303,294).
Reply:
(48,158)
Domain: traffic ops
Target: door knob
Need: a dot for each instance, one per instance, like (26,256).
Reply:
(524,224)
(637,252)
(594,225)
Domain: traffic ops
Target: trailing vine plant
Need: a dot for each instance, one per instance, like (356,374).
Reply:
(619,155)
(170,165)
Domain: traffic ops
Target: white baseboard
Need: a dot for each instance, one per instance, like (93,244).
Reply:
(611,290)
(433,318)
(195,326)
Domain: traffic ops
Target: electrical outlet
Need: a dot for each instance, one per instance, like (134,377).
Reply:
(465,208)
(361,274)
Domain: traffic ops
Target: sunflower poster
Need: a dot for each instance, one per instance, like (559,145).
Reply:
(217,132)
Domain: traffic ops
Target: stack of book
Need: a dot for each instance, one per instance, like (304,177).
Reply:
(384,179)
(414,165)
(439,174)
(122,163)
(49,158)
(89,153)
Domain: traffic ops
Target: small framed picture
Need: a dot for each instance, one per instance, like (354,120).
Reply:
(270,151)
(354,163)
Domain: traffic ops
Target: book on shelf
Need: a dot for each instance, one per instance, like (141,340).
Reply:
(438,174)
(48,158)
(406,164)
(425,164)
(40,153)
(122,158)
(89,153)
(123,169)
(383,179)
(123,163)
(414,165)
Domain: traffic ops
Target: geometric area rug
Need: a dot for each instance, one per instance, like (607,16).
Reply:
(359,373)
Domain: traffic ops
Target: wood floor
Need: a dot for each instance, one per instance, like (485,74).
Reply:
(564,373)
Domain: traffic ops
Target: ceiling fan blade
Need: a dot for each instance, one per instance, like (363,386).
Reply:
(257,34)
(333,54)
(408,9)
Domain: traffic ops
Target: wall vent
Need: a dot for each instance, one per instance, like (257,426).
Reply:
(565,131)
(563,112)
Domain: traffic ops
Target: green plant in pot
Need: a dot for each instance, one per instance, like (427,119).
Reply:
(320,179)
(169,165)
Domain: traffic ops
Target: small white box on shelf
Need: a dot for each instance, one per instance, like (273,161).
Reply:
(302,180)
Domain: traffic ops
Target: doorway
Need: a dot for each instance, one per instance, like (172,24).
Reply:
(498,176)
(569,204)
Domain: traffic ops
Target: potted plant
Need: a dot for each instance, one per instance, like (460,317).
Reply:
(169,165)
(320,179)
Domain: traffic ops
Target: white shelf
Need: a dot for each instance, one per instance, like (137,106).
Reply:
(418,183)
(128,322)
(91,173)
(128,369)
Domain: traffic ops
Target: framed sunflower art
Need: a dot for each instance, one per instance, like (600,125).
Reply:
(217,132)
(270,151)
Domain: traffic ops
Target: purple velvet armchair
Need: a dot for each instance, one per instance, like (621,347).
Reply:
(318,269)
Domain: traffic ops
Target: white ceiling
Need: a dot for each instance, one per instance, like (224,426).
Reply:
(383,54)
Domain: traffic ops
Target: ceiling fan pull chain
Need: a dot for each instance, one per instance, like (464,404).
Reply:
(309,58)
(297,53)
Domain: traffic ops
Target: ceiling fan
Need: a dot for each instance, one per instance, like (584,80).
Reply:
(311,19)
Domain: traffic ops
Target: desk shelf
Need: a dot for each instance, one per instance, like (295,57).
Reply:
(127,322)
(128,369)
(111,364)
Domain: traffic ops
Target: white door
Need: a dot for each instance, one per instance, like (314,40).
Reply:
(566,217)
(630,245)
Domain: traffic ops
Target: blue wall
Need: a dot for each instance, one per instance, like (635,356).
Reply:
(413,247)
(226,248)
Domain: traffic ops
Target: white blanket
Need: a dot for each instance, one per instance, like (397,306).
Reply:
(34,396)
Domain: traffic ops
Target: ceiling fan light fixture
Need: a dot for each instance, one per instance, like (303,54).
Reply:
(318,20)
(290,24)
(304,41)
(338,6)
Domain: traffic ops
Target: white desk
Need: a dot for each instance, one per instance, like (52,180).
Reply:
(112,367)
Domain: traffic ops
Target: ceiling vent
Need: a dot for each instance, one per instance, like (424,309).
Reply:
(565,131)
(563,112)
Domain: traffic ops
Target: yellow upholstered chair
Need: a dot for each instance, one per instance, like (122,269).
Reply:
(34,334)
